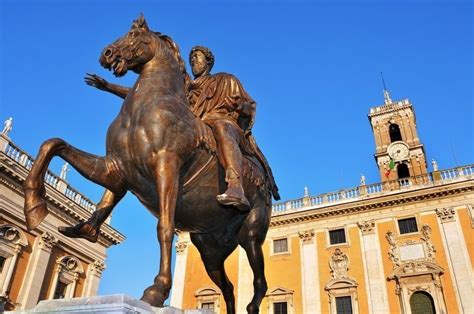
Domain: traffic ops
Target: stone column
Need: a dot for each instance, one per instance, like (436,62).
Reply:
(309,273)
(35,271)
(456,248)
(94,272)
(377,294)
(245,283)
(179,275)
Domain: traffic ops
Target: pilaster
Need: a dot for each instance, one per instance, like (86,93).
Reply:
(179,275)
(373,268)
(94,272)
(309,273)
(35,271)
(455,248)
(245,285)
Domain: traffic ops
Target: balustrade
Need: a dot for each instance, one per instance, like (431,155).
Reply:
(373,189)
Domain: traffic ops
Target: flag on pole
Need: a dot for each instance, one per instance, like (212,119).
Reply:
(391,166)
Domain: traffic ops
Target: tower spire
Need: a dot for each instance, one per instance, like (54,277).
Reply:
(386,95)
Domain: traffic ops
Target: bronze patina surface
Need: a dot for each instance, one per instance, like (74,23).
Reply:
(185,149)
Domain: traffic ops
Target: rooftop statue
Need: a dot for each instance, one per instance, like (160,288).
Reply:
(185,149)
(7,126)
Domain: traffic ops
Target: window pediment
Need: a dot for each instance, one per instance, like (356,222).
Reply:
(416,268)
(340,283)
(12,235)
(278,291)
(204,292)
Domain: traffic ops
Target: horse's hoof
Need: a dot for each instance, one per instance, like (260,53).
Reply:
(252,309)
(82,230)
(153,296)
(35,209)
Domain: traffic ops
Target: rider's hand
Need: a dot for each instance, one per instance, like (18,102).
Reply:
(96,81)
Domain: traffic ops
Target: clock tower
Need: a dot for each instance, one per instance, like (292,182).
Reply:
(398,151)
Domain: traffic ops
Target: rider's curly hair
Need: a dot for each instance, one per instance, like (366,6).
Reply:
(207,53)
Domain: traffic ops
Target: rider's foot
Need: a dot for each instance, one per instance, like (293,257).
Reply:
(83,230)
(234,196)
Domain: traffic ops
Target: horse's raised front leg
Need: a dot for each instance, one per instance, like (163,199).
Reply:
(167,180)
(101,170)
(90,229)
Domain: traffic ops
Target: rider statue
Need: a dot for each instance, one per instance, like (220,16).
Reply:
(221,102)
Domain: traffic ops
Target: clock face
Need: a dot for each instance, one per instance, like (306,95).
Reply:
(398,150)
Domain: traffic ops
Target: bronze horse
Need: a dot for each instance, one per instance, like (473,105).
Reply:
(152,152)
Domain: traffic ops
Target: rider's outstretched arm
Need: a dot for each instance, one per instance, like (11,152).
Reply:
(100,83)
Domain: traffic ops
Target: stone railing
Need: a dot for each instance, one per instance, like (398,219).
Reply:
(22,158)
(376,189)
(391,106)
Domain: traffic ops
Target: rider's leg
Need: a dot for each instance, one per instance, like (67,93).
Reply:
(90,229)
(227,137)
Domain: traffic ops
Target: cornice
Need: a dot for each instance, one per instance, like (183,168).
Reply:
(373,203)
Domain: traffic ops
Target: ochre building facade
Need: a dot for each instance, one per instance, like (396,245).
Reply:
(42,264)
(404,245)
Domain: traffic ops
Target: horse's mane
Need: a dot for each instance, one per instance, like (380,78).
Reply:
(175,50)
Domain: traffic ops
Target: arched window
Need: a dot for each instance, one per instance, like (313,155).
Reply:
(402,171)
(422,303)
(67,271)
(394,131)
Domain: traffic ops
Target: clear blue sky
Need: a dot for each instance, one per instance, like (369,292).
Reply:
(313,68)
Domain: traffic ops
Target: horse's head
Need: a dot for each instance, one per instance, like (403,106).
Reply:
(131,51)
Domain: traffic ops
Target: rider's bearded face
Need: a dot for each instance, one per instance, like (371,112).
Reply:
(198,63)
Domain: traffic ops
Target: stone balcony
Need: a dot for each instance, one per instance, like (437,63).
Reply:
(368,191)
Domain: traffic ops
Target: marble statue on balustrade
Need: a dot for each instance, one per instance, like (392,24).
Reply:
(64,170)
(434,164)
(362,179)
(306,191)
(7,126)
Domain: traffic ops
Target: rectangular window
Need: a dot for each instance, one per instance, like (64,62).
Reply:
(208,306)
(60,291)
(407,225)
(280,308)
(2,263)
(337,236)
(343,305)
(280,246)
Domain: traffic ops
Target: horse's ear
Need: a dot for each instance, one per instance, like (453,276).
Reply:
(140,23)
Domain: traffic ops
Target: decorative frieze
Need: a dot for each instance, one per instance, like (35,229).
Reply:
(306,236)
(47,241)
(411,250)
(181,247)
(446,214)
(470,210)
(339,264)
(429,247)
(98,267)
(367,227)
(393,253)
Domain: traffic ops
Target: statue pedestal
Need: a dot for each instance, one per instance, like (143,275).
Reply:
(110,304)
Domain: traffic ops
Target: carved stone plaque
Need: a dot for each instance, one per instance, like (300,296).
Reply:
(411,252)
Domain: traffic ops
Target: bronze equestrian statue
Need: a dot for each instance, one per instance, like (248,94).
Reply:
(158,149)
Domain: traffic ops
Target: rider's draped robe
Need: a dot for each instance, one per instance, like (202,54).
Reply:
(207,97)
